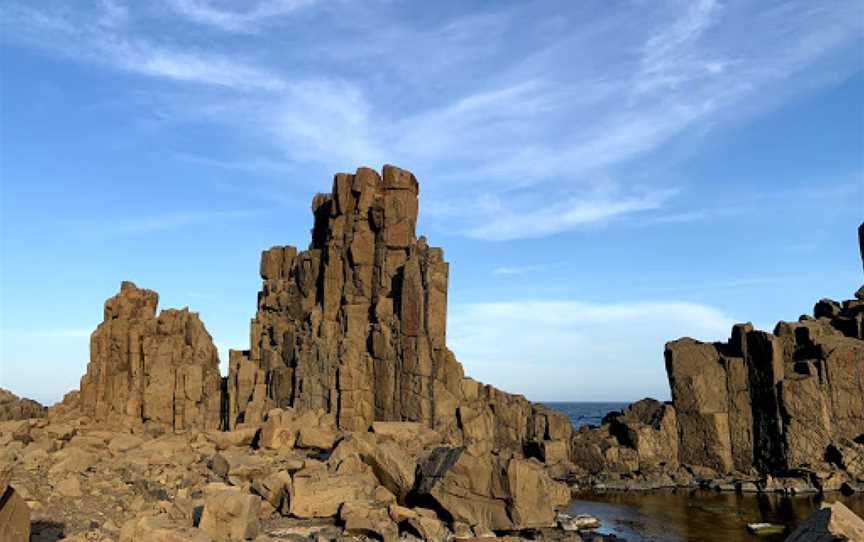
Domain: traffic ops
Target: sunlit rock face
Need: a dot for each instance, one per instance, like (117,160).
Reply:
(758,404)
(143,368)
(356,325)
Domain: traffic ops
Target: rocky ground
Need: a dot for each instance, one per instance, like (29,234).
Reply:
(294,477)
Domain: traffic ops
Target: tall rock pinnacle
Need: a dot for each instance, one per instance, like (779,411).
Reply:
(356,325)
(147,369)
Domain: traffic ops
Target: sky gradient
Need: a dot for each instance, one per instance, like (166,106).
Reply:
(603,176)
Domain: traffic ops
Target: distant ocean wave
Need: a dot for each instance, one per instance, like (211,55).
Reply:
(582,414)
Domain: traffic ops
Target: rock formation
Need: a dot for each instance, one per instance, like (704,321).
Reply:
(356,325)
(348,408)
(13,407)
(781,410)
(833,522)
(144,368)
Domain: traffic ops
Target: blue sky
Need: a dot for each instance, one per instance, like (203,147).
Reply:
(603,176)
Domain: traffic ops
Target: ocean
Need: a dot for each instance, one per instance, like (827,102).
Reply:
(584,413)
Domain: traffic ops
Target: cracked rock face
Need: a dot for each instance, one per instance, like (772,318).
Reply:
(356,325)
(353,327)
(145,368)
(758,406)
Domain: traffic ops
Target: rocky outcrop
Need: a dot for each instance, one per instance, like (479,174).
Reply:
(761,411)
(163,370)
(13,407)
(356,326)
(771,401)
(337,413)
(833,522)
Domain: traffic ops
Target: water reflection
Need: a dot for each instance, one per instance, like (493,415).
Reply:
(706,516)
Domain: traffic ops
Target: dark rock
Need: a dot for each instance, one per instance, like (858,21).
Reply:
(832,522)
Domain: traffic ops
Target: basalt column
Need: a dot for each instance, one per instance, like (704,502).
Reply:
(143,368)
(356,323)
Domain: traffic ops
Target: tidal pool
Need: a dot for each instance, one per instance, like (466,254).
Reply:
(699,516)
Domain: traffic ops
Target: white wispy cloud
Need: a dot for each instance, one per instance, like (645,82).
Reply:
(507,223)
(582,97)
(69,35)
(516,269)
(565,350)
(246,20)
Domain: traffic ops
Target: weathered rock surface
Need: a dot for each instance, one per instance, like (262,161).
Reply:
(14,512)
(833,522)
(143,368)
(13,407)
(355,326)
(489,491)
(781,411)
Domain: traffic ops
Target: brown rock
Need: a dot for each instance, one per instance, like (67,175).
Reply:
(318,493)
(274,488)
(142,368)
(69,487)
(534,497)
(369,520)
(476,490)
(14,515)
(13,407)
(389,462)
(160,529)
(355,327)
(231,515)
(832,522)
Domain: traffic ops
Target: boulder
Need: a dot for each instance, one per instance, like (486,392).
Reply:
(160,529)
(231,515)
(369,520)
(275,488)
(489,491)
(14,512)
(389,462)
(238,467)
(465,487)
(318,493)
(534,497)
(832,522)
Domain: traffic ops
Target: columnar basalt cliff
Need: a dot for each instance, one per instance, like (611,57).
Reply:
(787,404)
(144,368)
(356,325)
